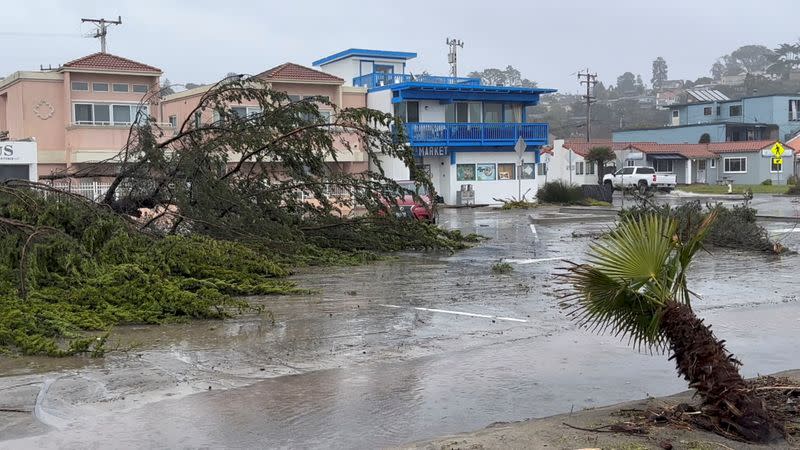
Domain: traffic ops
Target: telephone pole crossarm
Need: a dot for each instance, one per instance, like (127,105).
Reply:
(101,26)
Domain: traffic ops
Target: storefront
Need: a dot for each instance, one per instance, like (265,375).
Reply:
(492,173)
(18,160)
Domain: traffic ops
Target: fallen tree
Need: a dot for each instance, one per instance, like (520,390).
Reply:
(198,217)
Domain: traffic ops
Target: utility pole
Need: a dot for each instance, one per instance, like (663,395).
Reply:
(589,79)
(102,29)
(452,57)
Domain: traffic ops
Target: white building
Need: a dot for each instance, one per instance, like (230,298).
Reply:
(462,132)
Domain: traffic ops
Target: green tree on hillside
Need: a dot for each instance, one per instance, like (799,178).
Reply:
(659,73)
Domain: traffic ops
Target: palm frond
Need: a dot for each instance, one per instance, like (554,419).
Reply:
(631,275)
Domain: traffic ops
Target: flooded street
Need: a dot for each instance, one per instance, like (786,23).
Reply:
(405,349)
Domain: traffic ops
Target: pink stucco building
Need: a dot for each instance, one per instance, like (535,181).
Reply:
(79,113)
(298,82)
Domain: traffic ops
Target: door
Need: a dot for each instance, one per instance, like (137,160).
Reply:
(701,171)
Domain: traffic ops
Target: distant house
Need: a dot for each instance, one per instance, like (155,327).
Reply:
(668,97)
(766,117)
(568,160)
(745,162)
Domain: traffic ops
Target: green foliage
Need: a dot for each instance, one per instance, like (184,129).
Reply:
(734,227)
(767,182)
(90,270)
(792,180)
(560,192)
(794,189)
(502,268)
(632,274)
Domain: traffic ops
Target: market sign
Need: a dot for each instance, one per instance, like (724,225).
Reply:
(421,152)
(17,152)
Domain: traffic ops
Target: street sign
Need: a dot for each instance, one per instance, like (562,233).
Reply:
(520,147)
(777,150)
(777,161)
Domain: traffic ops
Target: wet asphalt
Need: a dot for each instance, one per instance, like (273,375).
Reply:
(405,349)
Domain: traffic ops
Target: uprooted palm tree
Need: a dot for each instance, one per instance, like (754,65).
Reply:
(634,284)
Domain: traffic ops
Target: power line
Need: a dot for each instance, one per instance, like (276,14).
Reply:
(589,79)
(452,57)
(102,29)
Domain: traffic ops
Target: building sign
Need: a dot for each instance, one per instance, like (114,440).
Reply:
(17,152)
(421,152)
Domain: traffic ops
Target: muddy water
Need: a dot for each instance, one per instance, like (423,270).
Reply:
(379,357)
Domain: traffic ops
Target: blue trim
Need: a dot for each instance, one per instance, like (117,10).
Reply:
(452,158)
(462,87)
(379,54)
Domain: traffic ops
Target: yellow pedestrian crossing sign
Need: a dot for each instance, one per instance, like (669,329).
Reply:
(777,161)
(777,150)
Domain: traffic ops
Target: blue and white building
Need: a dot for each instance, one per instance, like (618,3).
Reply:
(463,132)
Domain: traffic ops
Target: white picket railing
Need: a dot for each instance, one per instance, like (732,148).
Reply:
(90,189)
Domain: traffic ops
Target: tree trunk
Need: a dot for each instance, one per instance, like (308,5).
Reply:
(703,361)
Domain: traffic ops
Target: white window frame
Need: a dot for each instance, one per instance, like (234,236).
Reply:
(725,161)
(630,163)
(173,120)
(579,168)
(72,86)
(111,122)
(771,165)
(589,167)
(144,91)
(794,110)
(94,87)
(114,88)
(713,163)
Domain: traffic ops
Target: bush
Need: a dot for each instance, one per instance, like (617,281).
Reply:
(502,268)
(560,192)
(792,180)
(735,227)
(793,190)
(767,182)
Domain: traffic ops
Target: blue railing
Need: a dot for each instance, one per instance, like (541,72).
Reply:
(384,79)
(477,134)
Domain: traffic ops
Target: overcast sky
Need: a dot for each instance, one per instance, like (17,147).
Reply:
(548,41)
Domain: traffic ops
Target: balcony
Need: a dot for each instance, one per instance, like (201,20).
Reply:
(475,134)
(374,80)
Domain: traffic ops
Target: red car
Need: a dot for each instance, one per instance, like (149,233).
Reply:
(424,210)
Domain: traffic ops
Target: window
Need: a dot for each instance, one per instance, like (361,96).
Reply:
(475,112)
(465,172)
(701,165)
(140,88)
(198,119)
(108,114)
(675,113)
(707,111)
(173,121)
(462,112)
(506,171)
(408,111)
(590,168)
(84,114)
(119,87)
(719,110)
(663,165)
(510,114)
(493,112)
(579,168)
(735,165)
(100,87)
(794,110)
(102,115)
(713,164)
(379,68)
(80,86)
(775,168)
(630,162)
(486,172)
(529,170)
(541,169)
(294,98)
(735,110)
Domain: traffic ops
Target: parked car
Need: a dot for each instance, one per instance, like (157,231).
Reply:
(424,209)
(641,178)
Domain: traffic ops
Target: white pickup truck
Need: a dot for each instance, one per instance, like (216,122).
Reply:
(641,178)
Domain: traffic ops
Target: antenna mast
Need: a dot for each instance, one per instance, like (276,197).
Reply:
(452,57)
(102,29)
